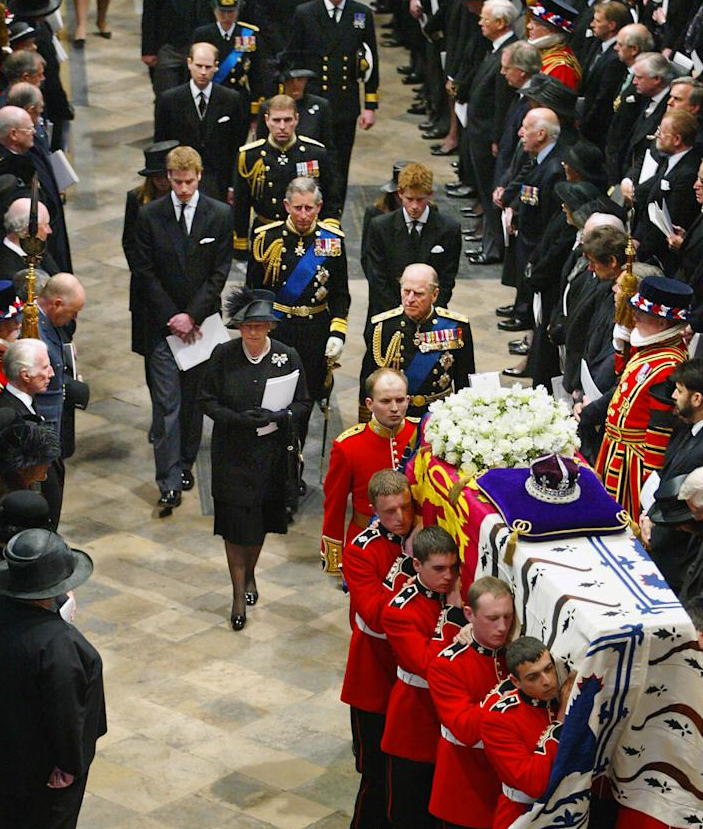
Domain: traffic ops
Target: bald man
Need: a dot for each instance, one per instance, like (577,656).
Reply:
(16,222)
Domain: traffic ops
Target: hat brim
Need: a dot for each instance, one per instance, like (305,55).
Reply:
(147,172)
(653,309)
(680,515)
(82,572)
(235,323)
(25,11)
(299,73)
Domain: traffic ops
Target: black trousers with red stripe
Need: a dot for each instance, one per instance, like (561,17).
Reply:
(370,809)
(409,790)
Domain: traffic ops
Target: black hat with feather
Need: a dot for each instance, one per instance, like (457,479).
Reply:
(247,305)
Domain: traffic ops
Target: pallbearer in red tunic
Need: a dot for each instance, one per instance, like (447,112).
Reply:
(638,427)
(376,567)
(465,789)
(520,731)
(360,451)
(550,22)
(420,621)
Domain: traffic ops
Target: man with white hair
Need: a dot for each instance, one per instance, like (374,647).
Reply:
(16,223)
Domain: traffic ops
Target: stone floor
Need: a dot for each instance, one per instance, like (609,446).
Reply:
(207,728)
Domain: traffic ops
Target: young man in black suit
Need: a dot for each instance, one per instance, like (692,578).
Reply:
(339,38)
(182,258)
(415,233)
(206,116)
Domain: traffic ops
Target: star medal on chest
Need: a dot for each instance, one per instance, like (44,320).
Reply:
(279,359)
(299,248)
(283,159)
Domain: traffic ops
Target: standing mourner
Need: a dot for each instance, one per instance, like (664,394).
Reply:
(55,708)
(248,467)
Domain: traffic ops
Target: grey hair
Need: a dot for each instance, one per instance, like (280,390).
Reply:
(22,356)
(605,219)
(523,55)
(302,185)
(20,281)
(501,10)
(695,96)
(692,487)
(657,66)
(24,95)
(552,130)
(11,118)
(638,36)
(19,63)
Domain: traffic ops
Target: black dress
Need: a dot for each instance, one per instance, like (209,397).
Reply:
(248,470)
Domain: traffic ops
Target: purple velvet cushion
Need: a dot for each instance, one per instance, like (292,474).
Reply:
(594,513)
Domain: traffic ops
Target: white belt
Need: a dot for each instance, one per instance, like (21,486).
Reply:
(411,679)
(450,738)
(361,624)
(517,796)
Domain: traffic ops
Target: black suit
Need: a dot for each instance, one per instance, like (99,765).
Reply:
(332,50)
(175,274)
(600,85)
(53,716)
(626,108)
(11,262)
(639,140)
(217,137)
(390,251)
(129,243)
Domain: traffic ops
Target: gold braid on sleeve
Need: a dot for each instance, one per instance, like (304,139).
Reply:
(256,176)
(392,356)
(270,256)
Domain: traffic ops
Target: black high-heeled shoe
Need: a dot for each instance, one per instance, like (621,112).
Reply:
(238,622)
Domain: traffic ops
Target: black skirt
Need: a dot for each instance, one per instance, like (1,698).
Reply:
(248,526)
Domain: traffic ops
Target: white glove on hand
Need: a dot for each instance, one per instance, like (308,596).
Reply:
(334,347)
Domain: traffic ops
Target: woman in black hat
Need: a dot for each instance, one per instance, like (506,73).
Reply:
(248,457)
(27,450)
(154,186)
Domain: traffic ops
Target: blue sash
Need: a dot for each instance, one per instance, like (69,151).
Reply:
(232,59)
(423,363)
(302,274)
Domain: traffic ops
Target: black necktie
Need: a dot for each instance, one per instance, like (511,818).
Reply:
(415,235)
(202,105)
(182,219)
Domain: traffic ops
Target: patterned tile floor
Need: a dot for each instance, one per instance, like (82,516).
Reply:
(207,728)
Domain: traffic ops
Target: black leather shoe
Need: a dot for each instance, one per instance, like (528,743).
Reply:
(187,480)
(170,498)
(455,165)
(238,622)
(515,372)
(408,80)
(404,70)
(391,42)
(514,325)
(434,134)
(456,185)
(463,192)
(417,109)
(440,151)
(520,350)
(470,236)
(388,25)
(515,343)
(426,125)
(470,213)
(473,250)
(505,311)
(482,259)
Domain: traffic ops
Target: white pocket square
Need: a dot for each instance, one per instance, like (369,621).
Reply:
(437,249)
(664,184)
(223,119)
(207,240)
(630,99)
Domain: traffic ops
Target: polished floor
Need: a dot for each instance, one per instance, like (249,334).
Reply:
(207,728)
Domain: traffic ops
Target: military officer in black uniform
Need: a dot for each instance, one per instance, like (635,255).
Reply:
(267,166)
(304,262)
(339,39)
(314,115)
(242,63)
(433,346)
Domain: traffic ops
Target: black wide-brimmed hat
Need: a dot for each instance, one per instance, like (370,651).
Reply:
(20,30)
(587,160)
(551,93)
(660,296)
(23,510)
(40,565)
(292,64)
(392,185)
(555,12)
(155,158)
(667,508)
(10,304)
(32,9)
(574,194)
(247,305)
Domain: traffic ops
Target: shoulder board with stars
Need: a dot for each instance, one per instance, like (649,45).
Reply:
(453,651)
(248,26)
(269,226)
(386,315)
(366,537)
(308,140)
(251,146)
(509,700)
(331,228)
(450,315)
(353,430)
(406,594)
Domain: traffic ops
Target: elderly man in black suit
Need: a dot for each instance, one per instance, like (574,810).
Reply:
(415,233)
(208,117)
(487,107)
(16,222)
(55,709)
(181,260)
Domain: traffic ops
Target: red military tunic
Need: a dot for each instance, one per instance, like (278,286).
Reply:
(418,628)
(638,427)
(465,789)
(560,63)
(520,737)
(356,454)
(375,568)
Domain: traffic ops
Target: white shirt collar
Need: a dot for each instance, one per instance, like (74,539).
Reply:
(695,429)
(657,98)
(423,217)
(543,153)
(176,202)
(499,41)
(329,6)
(226,32)
(13,247)
(195,92)
(606,44)
(21,395)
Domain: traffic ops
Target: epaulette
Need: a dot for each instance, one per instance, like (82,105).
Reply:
(507,700)
(449,616)
(414,420)
(352,430)
(331,228)
(450,315)
(264,228)
(452,651)
(366,537)
(312,141)
(253,144)
(248,25)
(405,595)
(386,315)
